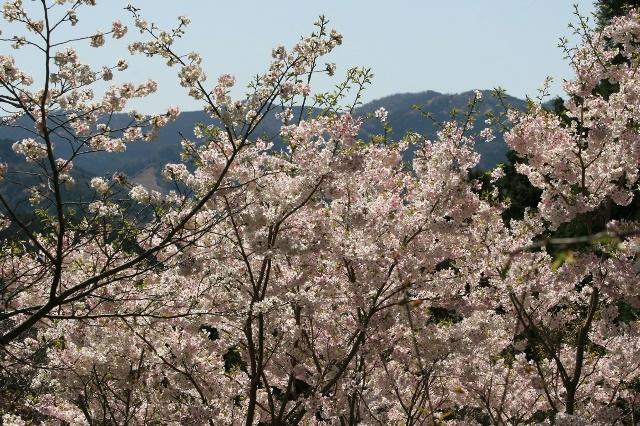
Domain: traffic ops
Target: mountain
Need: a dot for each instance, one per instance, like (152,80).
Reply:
(143,161)
(403,117)
(23,175)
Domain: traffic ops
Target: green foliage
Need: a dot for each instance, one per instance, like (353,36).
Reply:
(606,10)
(233,361)
(443,316)
(516,189)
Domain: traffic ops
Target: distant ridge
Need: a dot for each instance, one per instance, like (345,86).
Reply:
(147,159)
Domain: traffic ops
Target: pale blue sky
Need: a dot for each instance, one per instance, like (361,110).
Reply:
(411,46)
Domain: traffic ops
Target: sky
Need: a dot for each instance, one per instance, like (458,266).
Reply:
(410,45)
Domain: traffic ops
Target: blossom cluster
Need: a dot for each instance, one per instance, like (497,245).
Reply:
(330,282)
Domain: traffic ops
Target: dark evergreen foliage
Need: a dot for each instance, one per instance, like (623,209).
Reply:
(608,9)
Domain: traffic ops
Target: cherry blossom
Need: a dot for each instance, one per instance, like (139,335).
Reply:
(329,282)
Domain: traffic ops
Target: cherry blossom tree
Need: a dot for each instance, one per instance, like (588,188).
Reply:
(329,282)
(64,112)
